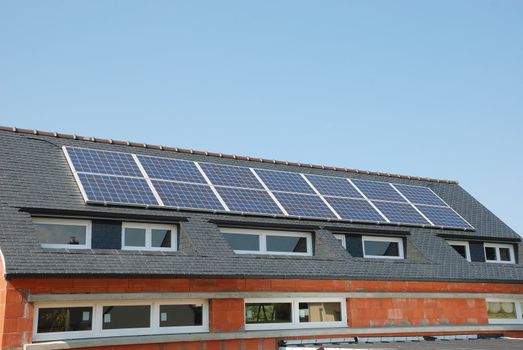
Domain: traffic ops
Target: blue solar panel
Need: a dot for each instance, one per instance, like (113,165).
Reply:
(247,200)
(175,194)
(334,186)
(171,169)
(116,189)
(401,213)
(420,195)
(443,216)
(231,176)
(103,162)
(304,205)
(283,181)
(354,209)
(378,190)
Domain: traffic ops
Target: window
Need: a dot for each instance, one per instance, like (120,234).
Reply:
(499,253)
(138,236)
(342,239)
(63,233)
(119,318)
(294,313)
(504,311)
(268,241)
(382,247)
(462,248)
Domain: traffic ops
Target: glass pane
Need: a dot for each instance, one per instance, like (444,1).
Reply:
(135,237)
(116,317)
(64,319)
(61,234)
(320,312)
(287,244)
(239,241)
(504,254)
(268,313)
(501,310)
(180,315)
(462,250)
(381,248)
(490,253)
(161,238)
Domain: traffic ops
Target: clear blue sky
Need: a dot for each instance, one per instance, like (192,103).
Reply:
(430,88)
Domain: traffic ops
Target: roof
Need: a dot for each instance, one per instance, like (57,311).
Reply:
(35,179)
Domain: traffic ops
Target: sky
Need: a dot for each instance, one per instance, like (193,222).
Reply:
(427,88)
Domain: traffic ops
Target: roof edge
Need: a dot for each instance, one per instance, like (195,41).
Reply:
(217,155)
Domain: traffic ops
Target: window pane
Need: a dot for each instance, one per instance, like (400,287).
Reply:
(64,319)
(180,315)
(161,238)
(268,313)
(239,241)
(501,310)
(135,237)
(490,253)
(504,254)
(462,250)
(320,312)
(116,317)
(381,248)
(61,234)
(287,244)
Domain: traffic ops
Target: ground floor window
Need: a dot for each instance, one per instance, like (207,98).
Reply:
(505,311)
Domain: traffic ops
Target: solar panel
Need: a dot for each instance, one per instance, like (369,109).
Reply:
(231,176)
(443,216)
(333,186)
(420,195)
(103,162)
(183,195)
(171,169)
(117,189)
(354,209)
(304,205)
(247,200)
(401,213)
(378,190)
(285,182)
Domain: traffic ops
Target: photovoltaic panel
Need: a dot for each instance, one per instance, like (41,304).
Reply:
(443,216)
(171,169)
(247,200)
(283,181)
(116,189)
(183,195)
(378,190)
(103,162)
(231,176)
(333,186)
(420,195)
(304,205)
(354,209)
(401,213)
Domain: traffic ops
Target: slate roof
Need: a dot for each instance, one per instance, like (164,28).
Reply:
(35,178)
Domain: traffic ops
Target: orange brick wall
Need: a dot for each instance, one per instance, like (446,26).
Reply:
(226,315)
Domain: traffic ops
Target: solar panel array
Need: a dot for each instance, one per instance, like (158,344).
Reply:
(130,179)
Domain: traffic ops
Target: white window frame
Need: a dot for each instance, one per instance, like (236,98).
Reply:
(517,305)
(342,238)
(295,314)
(74,222)
(462,244)
(97,319)
(498,256)
(398,240)
(262,236)
(148,235)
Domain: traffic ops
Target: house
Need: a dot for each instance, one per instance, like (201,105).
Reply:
(121,245)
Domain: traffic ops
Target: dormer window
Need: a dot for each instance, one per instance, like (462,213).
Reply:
(462,248)
(499,253)
(63,233)
(144,236)
(382,247)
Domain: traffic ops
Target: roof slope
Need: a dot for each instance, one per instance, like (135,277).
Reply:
(35,177)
